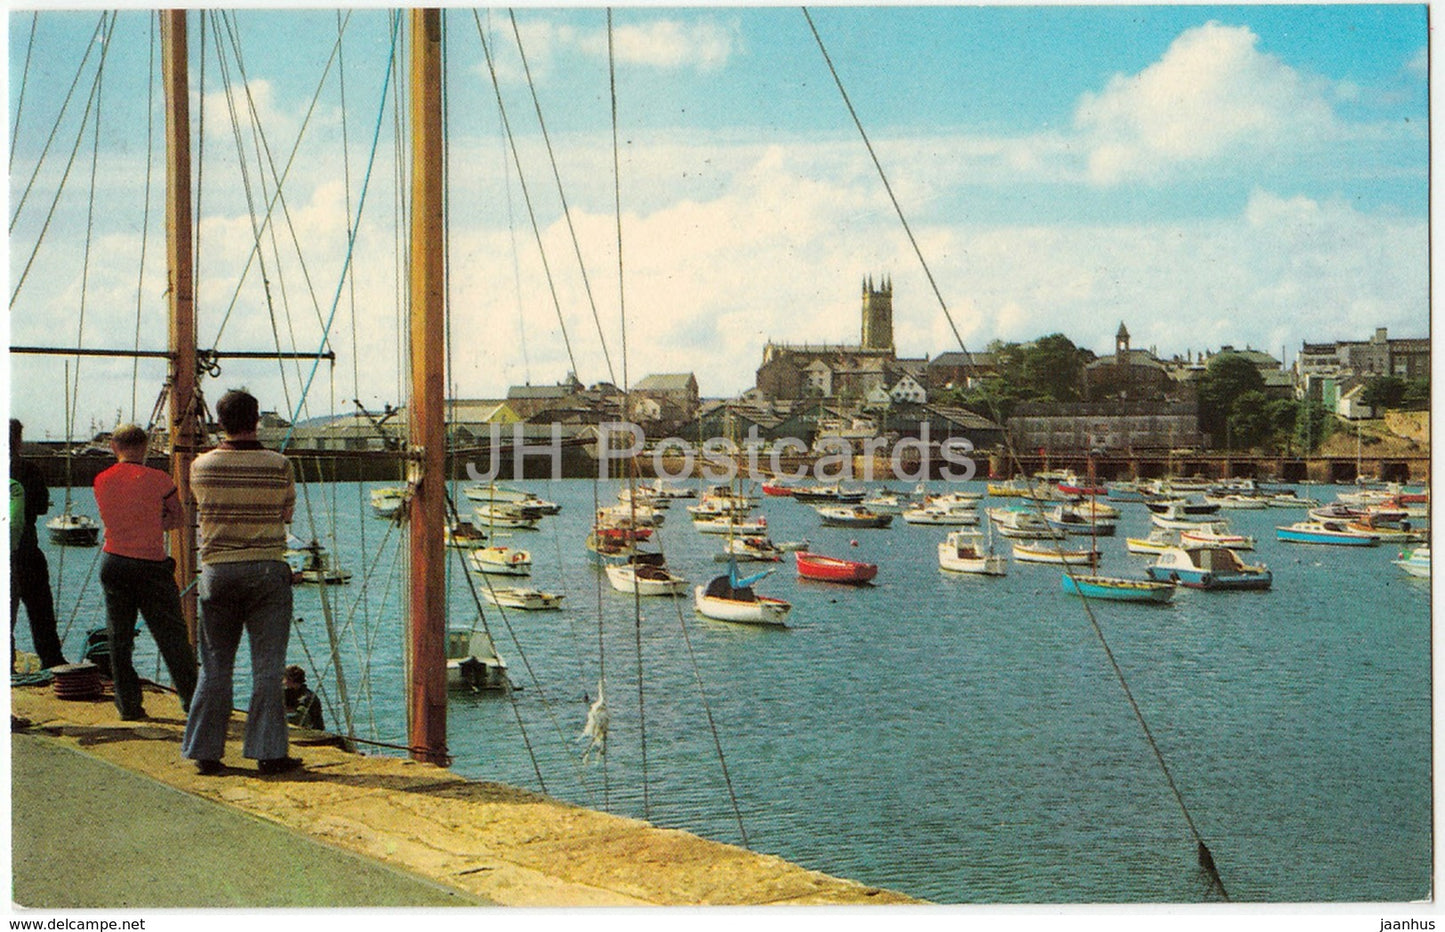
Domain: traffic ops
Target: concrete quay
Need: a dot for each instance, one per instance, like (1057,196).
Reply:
(106,813)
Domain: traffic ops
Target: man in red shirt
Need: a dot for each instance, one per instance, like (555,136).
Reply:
(138,505)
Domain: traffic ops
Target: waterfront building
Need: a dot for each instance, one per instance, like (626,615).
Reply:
(1108,426)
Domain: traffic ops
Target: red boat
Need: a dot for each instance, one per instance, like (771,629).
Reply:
(778,489)
(831,569)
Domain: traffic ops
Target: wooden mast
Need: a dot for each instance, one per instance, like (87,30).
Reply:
(185,434)
(427,698)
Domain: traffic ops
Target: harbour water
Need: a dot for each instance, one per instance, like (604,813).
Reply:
(959,739)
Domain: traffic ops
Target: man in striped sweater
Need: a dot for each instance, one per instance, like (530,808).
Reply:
(244,498)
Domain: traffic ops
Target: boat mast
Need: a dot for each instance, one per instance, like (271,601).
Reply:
(185,434)
(427,684)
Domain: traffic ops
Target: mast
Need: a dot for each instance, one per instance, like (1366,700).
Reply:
(426,674)
(185,434)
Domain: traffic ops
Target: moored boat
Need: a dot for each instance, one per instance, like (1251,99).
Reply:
(754,548)
(505,515)
(1023,524)
(1215,534)
(473,663)
(1325,532)
(73,530)
(832,569)
(645,574)
(387,502)
(1209,568)
(728,598)
(1157,542)
(501,561)
(1049,553)
(853,516)
(936,512)
(828,494)
(522,597)
(1117,589)
(1415,562)
(729,524)
(963,551)
(465,535)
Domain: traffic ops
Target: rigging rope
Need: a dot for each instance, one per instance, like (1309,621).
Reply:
(55,127)
(561,194)
(65,176)
(24,80)
(1206,860)
(526,194)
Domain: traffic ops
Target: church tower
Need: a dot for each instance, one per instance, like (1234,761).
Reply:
(878,315)
(1121,347)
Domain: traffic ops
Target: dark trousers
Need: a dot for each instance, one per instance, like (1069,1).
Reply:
(147,587)
(30,583)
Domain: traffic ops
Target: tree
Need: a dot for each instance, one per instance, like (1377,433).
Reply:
(1054,368)
(1416,396)
(1226,378)
(1383,391)
(1249,420)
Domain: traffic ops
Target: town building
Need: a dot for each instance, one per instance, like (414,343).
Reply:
(1109,427)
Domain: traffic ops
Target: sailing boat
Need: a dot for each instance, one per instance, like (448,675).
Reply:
(730,598)
(68,528)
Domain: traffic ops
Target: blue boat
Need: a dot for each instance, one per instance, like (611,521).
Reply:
(1208,568)
(1118,590)
(1325,532)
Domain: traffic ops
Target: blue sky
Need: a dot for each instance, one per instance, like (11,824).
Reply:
(1212,175)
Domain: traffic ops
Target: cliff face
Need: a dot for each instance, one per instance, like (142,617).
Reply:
(1412,425)
(1398,433)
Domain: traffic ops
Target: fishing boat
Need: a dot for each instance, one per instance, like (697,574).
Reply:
(504,495)
(853,516)
(1215,534)
(832,569)
(963,551)
(1415,562)
(828,494)
(728,598)
(645,574)
(1158,541)
(1208,568)
(886,503)
(1175,518)
(1013,488)
(1023,524)
(1071,521)
(753,548)
(523,598)
(501,561)
(956,513)
(605,549)
(1325,532)
(1179,507)
(1291,500)
(1074,486)
(387,502)
(73,530)
(1237,501)
(777,488)
(1045,553)
(473,663)
(1117,589)
(311,564)
(465,535)
(731,525)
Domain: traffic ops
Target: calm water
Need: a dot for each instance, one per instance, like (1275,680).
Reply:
(958,739)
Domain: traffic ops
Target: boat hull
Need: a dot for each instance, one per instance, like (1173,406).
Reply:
(1292,535)
(1118,590)
(830,569)
(770,612)
(1056,556)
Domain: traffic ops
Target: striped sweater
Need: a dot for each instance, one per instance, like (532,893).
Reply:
(244,498)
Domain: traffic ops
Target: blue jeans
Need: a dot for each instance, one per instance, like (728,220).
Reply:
(147,587)
(253,596)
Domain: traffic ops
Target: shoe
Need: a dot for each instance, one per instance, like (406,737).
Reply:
(208,768)
(135,716)
(278,765)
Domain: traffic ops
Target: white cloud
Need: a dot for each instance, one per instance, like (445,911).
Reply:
(704,45)
(1213,93)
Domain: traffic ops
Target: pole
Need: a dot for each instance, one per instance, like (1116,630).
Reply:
(427,698)
(185,433)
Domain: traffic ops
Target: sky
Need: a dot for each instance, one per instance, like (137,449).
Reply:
(1209,175)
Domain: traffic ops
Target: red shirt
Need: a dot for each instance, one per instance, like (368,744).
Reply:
(138,505)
